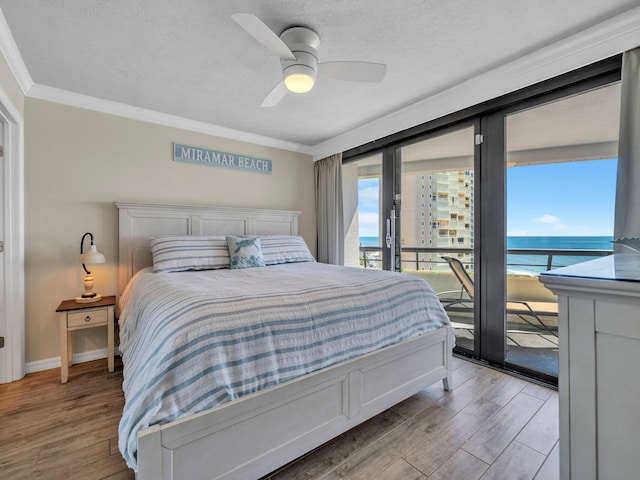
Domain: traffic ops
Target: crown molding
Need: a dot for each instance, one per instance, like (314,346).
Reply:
(607,38)
(610,37)
(9,49)
(87,102)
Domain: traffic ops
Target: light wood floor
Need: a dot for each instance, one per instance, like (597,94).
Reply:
(491,426)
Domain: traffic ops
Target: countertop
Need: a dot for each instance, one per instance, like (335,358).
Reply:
(617,267)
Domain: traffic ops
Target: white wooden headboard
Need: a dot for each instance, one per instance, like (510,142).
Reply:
(138,222)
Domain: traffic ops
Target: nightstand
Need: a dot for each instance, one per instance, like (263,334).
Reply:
(77,316)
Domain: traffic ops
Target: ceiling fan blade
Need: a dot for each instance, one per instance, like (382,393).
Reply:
(263,34)
(275,95)
(353,71)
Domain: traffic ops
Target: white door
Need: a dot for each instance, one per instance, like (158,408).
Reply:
(3,320)
(12,361)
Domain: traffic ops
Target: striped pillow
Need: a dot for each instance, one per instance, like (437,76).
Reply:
(177,253)
(284,249)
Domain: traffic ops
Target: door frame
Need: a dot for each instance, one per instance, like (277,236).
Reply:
(12,356)
(391,199)
(494,249)
(475,123)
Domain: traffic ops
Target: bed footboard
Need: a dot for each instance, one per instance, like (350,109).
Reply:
(252,436)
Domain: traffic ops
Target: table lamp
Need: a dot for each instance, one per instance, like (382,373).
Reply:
(92,257)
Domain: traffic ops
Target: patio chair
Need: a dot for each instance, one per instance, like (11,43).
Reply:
(513,307)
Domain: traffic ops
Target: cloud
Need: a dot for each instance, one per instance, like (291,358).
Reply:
(554,222)
(369,195)
(368,225)
(547,219)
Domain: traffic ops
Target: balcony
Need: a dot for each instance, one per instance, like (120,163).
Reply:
(532,346)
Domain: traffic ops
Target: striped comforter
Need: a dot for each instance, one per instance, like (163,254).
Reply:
(193,340)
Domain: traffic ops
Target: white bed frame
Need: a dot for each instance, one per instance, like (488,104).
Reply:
(252,436)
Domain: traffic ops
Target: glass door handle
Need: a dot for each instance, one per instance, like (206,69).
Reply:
(391,237)
(388,233)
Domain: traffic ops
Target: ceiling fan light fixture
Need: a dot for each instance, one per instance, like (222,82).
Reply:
(297,48)
(299,78)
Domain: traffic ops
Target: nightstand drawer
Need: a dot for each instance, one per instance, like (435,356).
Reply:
(92,317)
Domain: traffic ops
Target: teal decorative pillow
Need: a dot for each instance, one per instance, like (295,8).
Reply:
(245,252)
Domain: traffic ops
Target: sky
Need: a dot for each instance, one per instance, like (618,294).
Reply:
(558,199)
(562,199)
(368,206)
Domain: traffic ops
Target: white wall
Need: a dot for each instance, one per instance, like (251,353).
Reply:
(78,162)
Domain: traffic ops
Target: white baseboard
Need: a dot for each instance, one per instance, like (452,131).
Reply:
(54,362)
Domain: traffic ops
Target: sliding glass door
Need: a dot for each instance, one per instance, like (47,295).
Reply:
(410,208)
(560,181)
(478,203)
(436,234)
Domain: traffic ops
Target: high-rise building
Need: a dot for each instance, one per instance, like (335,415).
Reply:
(437,212)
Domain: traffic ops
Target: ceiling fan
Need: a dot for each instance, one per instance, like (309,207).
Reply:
(297,48)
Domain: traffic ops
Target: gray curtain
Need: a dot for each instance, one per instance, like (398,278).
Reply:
(329,215)
(627,219)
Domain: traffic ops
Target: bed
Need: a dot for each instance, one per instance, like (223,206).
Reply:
(262,417)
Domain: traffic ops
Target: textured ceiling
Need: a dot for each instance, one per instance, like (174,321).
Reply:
(189,59)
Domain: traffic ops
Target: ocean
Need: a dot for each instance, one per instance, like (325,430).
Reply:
(530,264)
(370,241)
(534,264)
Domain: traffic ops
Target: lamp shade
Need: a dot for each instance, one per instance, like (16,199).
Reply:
(92,257)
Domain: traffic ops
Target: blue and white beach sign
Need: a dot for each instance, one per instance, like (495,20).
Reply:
(214,158)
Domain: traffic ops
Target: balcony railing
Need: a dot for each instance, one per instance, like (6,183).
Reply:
(367,259)
(550,253)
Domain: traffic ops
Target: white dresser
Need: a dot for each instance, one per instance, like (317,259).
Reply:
(599,379)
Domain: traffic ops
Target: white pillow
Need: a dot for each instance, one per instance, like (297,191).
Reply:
(177,253)
(284,249)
